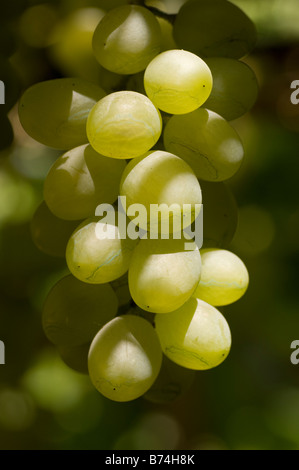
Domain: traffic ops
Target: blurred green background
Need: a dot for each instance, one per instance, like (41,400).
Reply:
(252,400)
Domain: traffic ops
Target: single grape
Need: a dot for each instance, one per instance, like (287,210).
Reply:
(172,382)
(220,214)
(124,124)
(224,277)
(79,181)
(49,233)
(125,358)
(195,336)
(54,112)
(235,87)
(74,311)
(96,253)
(163,274)
(127,39)
(178,82)
(167,189)
(214,28)
(207,142)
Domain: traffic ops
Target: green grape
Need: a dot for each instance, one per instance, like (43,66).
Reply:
(167,41)
(121,289)
(76,357)
(220,214)
(6,132)
(172,382)
(195,336)
(224,277)
(124,124)
(74,311)
(235,87)
(125,358)
(207,142)
(96,253)
(178,82)
(79,181)
(127,39)
(49,233)
(214,28)
(167,189)
(163,274)
(54,112)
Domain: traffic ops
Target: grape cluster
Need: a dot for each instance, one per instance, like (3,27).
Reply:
(139,313)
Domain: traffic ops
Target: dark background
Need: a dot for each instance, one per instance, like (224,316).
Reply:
(252,400)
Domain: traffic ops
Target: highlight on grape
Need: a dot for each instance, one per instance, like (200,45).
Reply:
(162,222)
(2,353)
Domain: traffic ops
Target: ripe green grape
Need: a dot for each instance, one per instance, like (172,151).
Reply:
(80,180)
(178,82)
(214,28)
(224,277)
(220,214)
(49,233)
(127,39)
(164,183)
(163,274)
(167,41)
(235,87)
(75,357)
(96,253)
(172,382)
(195,336)
(124,124)
(74,311)
(207,142)
(125,358)
(54,112)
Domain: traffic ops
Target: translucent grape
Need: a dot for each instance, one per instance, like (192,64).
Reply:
(96,253)
(79,181)
(165,180)
(124,124)
(54,112)
(207,142)
(224,277)
(235,87)
(49,233)
(127,39)
(220,214)
(195,336)
(214,28)
(178,82)
(163,274)
(172,382)
(125,358)
(74,311)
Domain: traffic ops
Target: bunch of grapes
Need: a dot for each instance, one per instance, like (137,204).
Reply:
(139,313)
